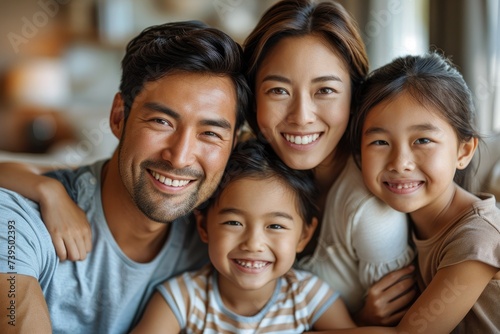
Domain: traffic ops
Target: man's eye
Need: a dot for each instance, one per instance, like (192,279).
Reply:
(212,134)
(161,121)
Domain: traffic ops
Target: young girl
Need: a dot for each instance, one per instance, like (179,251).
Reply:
(259,218)
(414,134)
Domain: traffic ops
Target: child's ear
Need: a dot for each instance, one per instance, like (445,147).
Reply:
(201,224)
(307,233)
(466,152)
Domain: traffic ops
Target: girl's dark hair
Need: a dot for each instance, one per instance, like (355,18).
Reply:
(434,82)
(327,19)
(256,160)
(189,46)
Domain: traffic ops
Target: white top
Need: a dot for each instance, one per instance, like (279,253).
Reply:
(362,239)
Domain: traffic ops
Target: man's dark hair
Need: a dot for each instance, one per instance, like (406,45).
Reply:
(189,46)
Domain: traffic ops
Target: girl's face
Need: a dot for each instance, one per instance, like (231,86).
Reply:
(409,155)
(303,94)
(253,231)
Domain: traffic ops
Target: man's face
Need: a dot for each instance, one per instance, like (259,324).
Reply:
(176,143)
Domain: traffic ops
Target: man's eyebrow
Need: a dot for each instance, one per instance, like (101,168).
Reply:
(158,107)
(218,122)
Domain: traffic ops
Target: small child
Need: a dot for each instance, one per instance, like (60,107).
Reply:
(414,135)
(262,214)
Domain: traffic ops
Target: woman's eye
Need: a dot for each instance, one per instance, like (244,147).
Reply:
(278,91)
(326,90)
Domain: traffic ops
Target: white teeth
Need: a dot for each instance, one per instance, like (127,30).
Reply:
(169,182)
(251,264)
(404,186)
(301,140)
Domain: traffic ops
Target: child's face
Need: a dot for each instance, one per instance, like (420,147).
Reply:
(253,232)
(409,155)
(303,90)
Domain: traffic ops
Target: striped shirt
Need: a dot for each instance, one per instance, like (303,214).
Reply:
(299,299)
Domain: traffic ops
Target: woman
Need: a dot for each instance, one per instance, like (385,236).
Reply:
(306,61)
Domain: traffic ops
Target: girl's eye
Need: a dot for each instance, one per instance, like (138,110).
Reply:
(379,142)
(278,91)
(276,227)
(232,223)
(422,141)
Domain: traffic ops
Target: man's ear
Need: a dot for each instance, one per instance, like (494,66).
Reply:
(201,224)
(117,116)
(466,152)
(307,233)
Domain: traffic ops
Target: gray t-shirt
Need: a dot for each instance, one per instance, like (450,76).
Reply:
(107,292)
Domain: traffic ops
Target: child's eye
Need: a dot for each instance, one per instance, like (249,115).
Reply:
(422,141)
(276,227)
(232,223)
(379,142)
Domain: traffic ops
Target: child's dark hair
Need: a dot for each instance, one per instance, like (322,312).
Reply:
(257,160)
(189,46)
(434,82)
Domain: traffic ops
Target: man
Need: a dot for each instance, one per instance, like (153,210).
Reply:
(181,101)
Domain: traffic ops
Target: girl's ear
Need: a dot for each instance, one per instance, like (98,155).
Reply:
(307,233)
(466,151)
(201,224)
(117,116)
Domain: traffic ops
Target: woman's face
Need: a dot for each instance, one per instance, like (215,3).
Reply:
(303,93)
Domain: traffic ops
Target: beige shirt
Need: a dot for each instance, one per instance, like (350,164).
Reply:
(475,235)
(362,239)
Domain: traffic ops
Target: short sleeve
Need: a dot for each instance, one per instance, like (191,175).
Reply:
(380,238)
(25,244)
(477,242)
(173,291)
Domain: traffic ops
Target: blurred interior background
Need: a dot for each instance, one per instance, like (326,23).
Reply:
(60,59)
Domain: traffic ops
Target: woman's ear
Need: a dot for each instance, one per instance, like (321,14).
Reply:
(201,224)
(466,152)
(117,116)
(307,233)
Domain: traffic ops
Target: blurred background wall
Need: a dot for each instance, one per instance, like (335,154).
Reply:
(60,59)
